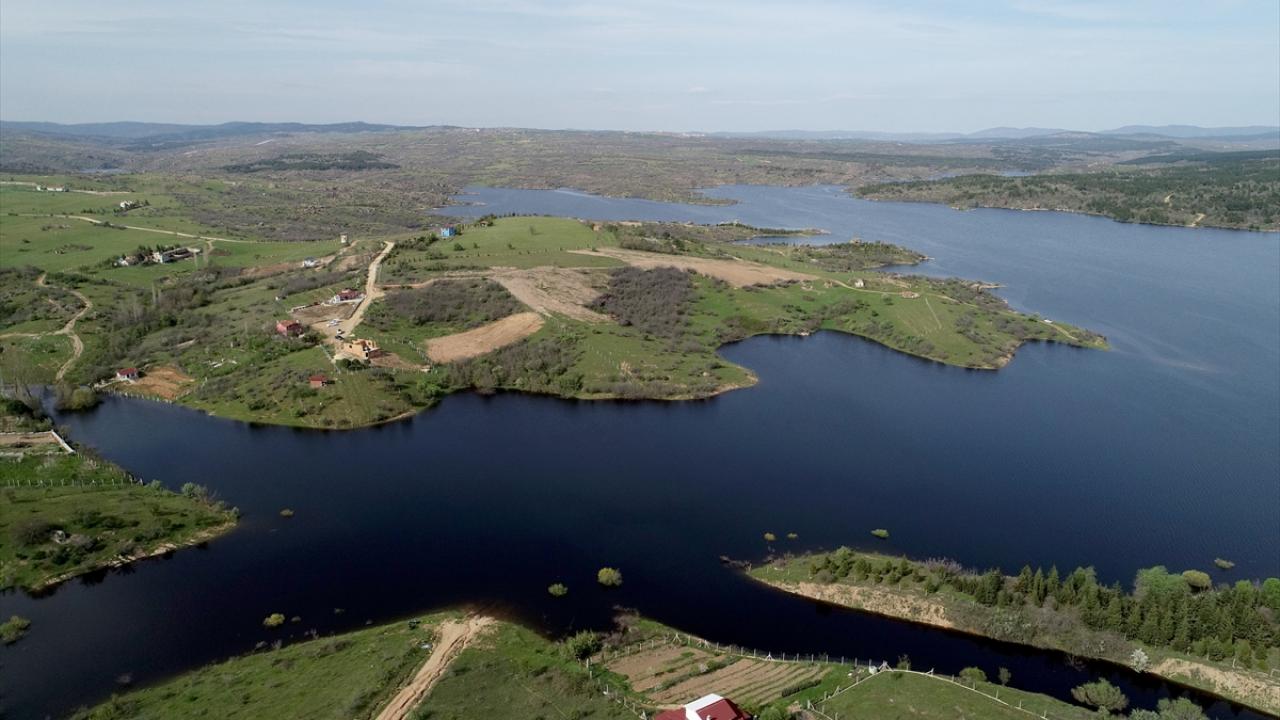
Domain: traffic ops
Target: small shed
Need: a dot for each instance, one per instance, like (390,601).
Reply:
(318,381)
(130,374)
(290,328)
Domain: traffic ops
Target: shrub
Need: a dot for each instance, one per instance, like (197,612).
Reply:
(654,301)
(1102,695)
(13,629)
(32,531)
(881,533)
(582,644)
(273,620)
(558,590)
(770,537)
(1197,579)
(609,577)
(973,675)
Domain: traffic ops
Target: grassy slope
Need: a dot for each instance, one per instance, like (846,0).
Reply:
(344,677)
(900,696)
(132,520)
(513,674)
(509,673)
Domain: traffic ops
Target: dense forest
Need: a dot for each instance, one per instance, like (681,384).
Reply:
(1233,190)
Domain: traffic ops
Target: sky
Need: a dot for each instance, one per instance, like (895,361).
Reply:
(673,65)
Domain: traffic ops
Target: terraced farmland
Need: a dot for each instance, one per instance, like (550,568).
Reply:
(673,674)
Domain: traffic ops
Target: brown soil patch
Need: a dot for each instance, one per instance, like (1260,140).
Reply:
(1254,690)
(391,360)
(739,273)
(28,440)
(646,669)
(166,382)
(454,636)
(553,290)
(484,339)
(873,600)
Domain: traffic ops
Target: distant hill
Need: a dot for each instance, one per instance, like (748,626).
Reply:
(1195,131)
(143,134)
(1148,132)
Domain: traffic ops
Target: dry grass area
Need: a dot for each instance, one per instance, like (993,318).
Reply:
(738,273)
(1258,690)
(548,290)
(165,382)
(484,339)
(879,601)
(40,442)
(675,674)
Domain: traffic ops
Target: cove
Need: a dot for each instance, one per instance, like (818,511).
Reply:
(1162,451)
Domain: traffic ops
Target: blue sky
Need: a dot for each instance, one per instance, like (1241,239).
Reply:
(911,65)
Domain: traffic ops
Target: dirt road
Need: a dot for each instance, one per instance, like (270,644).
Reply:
(739,273)
(371,291)
(453,638)
(484,339)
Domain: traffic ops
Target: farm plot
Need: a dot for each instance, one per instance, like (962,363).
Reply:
(673,674)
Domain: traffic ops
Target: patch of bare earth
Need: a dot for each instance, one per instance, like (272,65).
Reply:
(165,382)
(1255,690)
(739,273)
(454,636)
(550,290)
(484,339)
(648,668)
(873,600)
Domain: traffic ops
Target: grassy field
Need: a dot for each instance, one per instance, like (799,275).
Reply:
(513,674)
(341,678)
(104,515)
(908,696)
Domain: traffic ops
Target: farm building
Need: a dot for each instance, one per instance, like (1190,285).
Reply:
(709,707)
(347,295)
(362,349)
(290,328)
(310,263)
(127,374)
(318,381)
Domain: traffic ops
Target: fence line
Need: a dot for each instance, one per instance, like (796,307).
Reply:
(884,669)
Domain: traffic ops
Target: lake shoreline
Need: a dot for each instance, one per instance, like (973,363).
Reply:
(1231,686)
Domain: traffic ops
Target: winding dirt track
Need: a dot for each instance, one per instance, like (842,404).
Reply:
(69,330)
(454,637)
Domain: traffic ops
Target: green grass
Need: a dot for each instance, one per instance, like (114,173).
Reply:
(514,674)
(906,696)
(34,360)
(519,242)
(335,678)
(95,500)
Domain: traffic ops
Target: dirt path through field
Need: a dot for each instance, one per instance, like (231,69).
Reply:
(454,637)
(739,273)
(553,290)
(175,233)
(371,291)
(68,330)
(484,339)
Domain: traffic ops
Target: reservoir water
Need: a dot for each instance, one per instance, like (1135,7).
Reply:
(1164,450)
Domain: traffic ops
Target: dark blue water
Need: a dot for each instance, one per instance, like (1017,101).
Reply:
(1163,451)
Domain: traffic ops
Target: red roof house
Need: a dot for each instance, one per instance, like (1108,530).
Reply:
(127,374)
(709,707)
(318,381)
(290,328)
